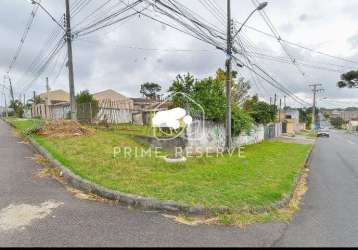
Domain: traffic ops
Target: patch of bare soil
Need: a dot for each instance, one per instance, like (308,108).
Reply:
(64,128)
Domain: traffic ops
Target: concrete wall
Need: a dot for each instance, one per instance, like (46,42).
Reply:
(213,136)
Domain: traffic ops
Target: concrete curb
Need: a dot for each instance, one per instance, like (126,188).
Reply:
(151,203)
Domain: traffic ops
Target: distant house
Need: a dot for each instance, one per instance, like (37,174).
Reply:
(346,115)
(109,98)
(55,97)
(353,125)
(290,119)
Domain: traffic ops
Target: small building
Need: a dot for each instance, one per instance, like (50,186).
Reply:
(290,119)
(109,97)
(55,97)
(353,125)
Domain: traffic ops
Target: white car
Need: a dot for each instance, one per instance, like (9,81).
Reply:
(323,133)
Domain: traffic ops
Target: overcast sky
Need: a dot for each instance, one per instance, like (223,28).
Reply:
(124,56)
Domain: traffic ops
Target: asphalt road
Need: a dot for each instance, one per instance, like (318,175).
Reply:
(36,211)
(329,215)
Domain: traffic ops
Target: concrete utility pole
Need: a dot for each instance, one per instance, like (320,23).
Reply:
(228,76)
(315,90)
(229,52)
(70,62)
(68,33)
(11,89)
(47,92)
(284,102)
(279,112)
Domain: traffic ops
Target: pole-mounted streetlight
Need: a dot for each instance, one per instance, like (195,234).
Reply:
(261,6)
(229,51)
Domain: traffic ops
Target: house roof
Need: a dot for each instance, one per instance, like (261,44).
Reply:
(56,95)
(110,94)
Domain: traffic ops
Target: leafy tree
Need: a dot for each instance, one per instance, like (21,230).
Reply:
(36,100)
(306,116)
(241,120)
(18,108)
(337,122)
(150,90)
(85,97)
(261,112)
(239,89)
(181,84)
(326,115)
(210,94)
(349,80)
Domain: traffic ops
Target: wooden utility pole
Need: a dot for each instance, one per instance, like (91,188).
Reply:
(228,76)
(70,62)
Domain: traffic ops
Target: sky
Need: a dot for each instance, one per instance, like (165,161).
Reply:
(138,50)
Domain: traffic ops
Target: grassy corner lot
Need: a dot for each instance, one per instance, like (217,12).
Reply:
(263,177)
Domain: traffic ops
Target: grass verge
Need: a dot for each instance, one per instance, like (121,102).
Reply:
(266,174)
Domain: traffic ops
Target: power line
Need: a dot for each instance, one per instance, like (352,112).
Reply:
(23,38)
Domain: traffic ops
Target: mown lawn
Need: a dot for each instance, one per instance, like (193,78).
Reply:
(23,124)
(263,177)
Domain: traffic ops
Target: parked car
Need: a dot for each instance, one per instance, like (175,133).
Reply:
(323,133)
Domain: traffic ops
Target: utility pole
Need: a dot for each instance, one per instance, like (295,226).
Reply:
(279,112)
(68,38)
(11,89)
(228,76)
(270,100)
(70,62)
(47,92)
(315,90)
(284,102)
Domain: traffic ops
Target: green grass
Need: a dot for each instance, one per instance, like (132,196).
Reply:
(263,177)
(23,124)
(307,133)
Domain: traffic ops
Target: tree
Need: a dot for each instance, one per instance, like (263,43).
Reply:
(18,108)
(150,90)
(239,89)
(349,80)
(210,94)
(85,97)
(261,112)
(37,100)
(181,84)
(306,116)
(337,122)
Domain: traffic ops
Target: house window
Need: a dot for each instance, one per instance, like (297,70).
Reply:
(288,117)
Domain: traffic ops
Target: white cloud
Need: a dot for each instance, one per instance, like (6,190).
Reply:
(123,57)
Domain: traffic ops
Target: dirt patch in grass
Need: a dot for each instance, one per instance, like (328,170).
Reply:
(63,129)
